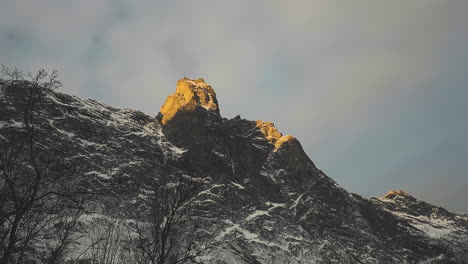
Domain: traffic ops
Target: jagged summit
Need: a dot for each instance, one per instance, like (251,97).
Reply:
(402,201)
(197,94)
(393,194)
(272,134)
(260,201)
(189,95)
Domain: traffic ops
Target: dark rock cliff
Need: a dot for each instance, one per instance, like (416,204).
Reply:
(262,190)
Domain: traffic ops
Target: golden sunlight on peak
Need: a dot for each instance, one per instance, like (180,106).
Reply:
(393,193)
(272,134)
(189,94)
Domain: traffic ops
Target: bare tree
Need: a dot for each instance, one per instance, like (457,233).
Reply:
(38,209)
(109,243)
(167,234)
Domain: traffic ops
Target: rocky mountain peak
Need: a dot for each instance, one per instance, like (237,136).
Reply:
(403,202)
(272,134)
(260,199)
(395,194)
(189,95)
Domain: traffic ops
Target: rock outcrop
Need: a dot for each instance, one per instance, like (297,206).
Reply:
(272,134)
(189,95)
(189,110)
(404,202)
(393,194)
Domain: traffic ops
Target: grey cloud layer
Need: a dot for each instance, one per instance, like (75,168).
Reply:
(369,87)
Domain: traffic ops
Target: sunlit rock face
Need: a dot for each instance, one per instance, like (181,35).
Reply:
(392,194)
(190,119)
(189,95)
(192,95)
(272,134)
(186,116)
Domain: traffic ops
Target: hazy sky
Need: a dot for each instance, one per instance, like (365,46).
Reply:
(375,90)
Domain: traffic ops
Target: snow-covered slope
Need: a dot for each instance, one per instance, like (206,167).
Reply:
(263,195)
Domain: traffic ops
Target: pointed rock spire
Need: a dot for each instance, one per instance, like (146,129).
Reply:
(189,95)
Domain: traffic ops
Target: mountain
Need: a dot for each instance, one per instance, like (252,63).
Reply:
(263,200)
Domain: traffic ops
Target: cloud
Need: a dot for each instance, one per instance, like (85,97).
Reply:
(344,77)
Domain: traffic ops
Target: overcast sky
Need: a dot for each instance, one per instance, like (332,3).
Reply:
(376,91)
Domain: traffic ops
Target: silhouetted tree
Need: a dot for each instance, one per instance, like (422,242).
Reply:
(39,211)
(109,243)
(167,233)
